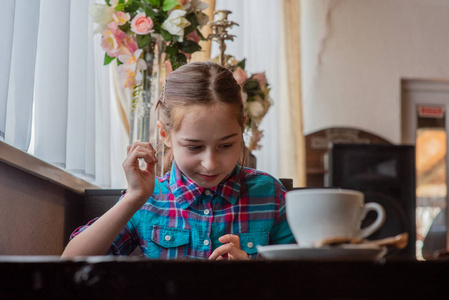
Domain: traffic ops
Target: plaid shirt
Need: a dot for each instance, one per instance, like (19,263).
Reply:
(184,220)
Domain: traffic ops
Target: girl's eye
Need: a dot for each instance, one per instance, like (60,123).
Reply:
(226,146)
(194,148)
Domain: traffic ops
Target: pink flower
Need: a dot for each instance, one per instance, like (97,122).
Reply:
(128,76)
(130,43)
(115,42)
(193,36)
(133,61)
(141,24)
(111,42)
(120,17)
(240,75)
(182,2)
(262,80)
(129,70)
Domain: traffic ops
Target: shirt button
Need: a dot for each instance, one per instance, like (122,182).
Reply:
(206,242)
(167,237)
(206,211)
(207,192)
(250,245)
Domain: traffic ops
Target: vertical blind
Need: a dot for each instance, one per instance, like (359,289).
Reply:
(51,62)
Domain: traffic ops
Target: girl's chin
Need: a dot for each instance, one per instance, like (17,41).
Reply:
(208,181)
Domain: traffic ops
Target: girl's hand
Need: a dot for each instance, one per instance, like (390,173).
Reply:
(140,181)
(231,247)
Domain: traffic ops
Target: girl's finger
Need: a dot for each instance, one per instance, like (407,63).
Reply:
(231,250)
(133,159)
(138,144)
(143,152)
(220,251)
(230,238)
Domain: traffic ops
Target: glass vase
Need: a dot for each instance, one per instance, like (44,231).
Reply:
(143,116)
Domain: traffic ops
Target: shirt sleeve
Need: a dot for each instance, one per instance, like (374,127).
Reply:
(127,240)
(82,228)
(124,244)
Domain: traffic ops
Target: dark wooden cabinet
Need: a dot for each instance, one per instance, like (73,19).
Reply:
(317,147)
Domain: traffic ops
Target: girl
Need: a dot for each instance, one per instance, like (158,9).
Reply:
(207,205)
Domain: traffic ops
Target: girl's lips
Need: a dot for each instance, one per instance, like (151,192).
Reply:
(208,177)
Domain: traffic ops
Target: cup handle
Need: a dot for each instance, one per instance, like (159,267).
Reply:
(380,220)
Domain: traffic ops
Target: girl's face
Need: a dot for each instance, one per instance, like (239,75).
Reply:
(208,144)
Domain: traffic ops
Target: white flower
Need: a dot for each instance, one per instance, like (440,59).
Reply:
(114,3)
(176,23)
(255,109)
(101,14)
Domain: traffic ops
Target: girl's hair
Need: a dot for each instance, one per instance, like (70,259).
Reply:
(198,83)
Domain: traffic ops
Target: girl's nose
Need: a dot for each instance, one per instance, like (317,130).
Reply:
(210,161)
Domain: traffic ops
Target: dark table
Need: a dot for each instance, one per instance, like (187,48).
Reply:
(139,278)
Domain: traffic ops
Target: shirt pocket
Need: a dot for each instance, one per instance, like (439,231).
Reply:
(169,237)
(250,241)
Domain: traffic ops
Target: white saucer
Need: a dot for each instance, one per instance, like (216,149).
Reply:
(344,252)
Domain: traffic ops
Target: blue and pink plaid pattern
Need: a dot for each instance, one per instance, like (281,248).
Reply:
(184,220)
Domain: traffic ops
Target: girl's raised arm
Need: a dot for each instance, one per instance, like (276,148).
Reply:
(97,239)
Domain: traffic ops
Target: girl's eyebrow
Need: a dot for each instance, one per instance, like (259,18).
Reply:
(221,139)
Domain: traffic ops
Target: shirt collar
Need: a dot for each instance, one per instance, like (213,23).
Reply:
(186,191)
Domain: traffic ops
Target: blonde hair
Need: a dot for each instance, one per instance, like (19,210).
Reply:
(198,83)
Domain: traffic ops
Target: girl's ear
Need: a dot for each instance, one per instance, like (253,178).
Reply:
(163,133)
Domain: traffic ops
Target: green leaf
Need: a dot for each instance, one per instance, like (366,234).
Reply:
(154,3)
(242,64)
(125,27)
(120,7)
(169,4)
(178,61)
(189,46)
(260,94)
(182,59)
(193,19)
(174,63)
(149,12)
(107,59)
(188,30)
(166,35)
(201,35)
(171,51)
(131,6)
(143,40)
(251,84)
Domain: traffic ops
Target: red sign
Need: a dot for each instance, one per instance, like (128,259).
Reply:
(431,111)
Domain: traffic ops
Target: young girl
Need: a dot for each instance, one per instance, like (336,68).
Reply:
(207,206)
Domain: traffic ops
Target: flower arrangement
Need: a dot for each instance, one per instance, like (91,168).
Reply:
(256,101)
(127,27)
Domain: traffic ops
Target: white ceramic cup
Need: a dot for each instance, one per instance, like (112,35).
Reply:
(319,213)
